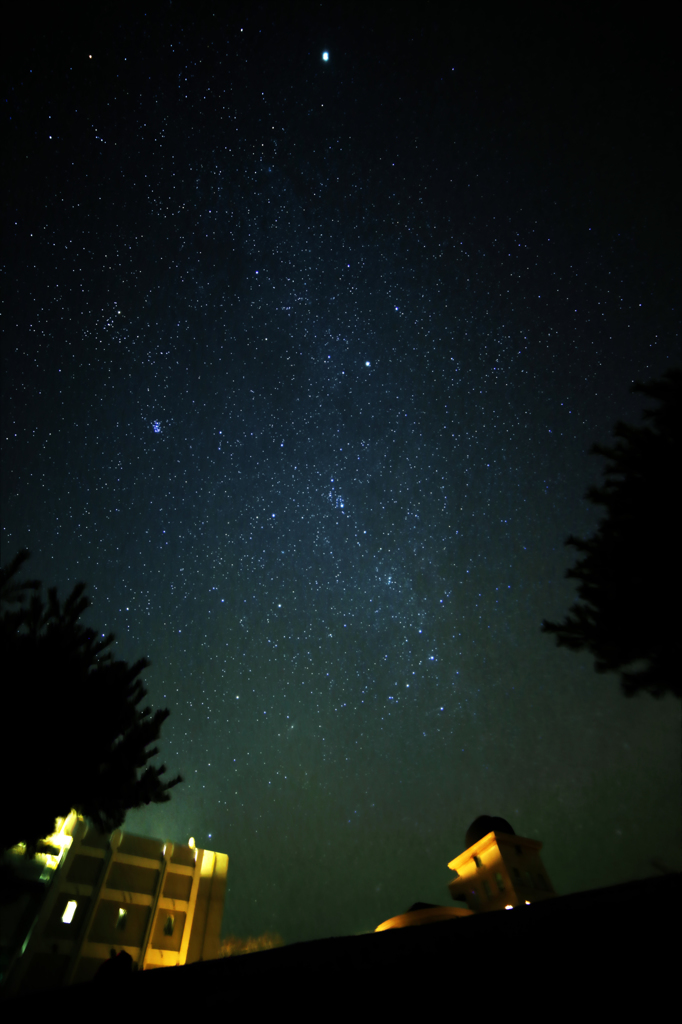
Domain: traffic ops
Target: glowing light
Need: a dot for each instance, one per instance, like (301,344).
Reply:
(69,911)
(191,843)
(425,916)
(325,55)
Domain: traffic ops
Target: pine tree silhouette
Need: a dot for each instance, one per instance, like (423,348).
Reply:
(72,735)
(629,612)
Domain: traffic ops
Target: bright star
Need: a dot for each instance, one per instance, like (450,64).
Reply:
(325,55)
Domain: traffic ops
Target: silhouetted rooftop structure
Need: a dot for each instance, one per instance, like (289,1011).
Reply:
(485,824)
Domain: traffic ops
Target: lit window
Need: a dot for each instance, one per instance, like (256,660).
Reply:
(122,917)
(69,911)
(170,925)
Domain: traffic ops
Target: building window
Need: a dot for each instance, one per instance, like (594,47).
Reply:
(500,881)
(478,862)
(488,891)
(169,925)
(69,911)
(122,917)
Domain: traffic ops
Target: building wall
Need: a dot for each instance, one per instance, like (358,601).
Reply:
(160,902)
(500,871)
(205,939)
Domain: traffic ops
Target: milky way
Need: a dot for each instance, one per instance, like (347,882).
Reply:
(303,361)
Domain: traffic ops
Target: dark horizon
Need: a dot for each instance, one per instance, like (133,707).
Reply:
(303,362)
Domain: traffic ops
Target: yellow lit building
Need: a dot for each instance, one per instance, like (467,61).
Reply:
(162,903)
(498,872)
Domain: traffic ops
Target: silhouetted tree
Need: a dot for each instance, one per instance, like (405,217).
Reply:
(72,735)
(629,613)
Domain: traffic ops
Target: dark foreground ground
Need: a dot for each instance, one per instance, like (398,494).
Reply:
(615,950)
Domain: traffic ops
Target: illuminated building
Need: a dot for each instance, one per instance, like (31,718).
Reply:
(498,871)
(161,903)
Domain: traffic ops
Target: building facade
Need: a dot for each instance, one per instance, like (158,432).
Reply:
(159,902)
(498,872)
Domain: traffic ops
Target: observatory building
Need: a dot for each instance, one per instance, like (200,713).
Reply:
(498,871)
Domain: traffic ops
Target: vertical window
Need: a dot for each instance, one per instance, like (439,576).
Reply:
(500,881)
(121,920)
(169,925)
(488,891)
(478,862)
(69,911)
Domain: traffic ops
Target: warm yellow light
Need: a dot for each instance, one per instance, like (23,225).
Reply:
(528,903)
(69,911)
(425,916)
(191,843)
(509,907)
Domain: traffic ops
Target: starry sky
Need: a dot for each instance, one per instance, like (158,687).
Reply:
(302,363)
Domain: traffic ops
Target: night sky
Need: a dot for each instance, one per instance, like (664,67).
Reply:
(302,363)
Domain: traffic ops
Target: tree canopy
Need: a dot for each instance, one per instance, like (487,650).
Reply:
(629,609)
(72,734)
